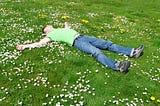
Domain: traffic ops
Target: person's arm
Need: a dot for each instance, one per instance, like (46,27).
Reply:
(66,25)
(33,45)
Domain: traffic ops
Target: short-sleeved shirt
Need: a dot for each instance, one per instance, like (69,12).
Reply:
(66,35)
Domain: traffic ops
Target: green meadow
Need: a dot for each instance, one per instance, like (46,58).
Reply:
(60,75)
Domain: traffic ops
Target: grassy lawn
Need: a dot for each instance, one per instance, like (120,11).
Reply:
(60,75)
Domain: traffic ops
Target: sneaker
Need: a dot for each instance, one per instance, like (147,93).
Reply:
(123,66)
(138,51)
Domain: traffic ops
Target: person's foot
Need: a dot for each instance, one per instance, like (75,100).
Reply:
(123,66)
(138,51)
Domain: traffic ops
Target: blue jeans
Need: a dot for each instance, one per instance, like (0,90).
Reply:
(92,46)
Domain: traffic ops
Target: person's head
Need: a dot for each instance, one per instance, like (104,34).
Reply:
(47,29)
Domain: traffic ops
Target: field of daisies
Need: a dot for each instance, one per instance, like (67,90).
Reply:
(60,75)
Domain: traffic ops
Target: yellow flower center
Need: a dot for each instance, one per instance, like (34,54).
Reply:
(152,98)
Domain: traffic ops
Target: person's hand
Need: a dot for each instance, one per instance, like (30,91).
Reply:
(20,47)
(66,24)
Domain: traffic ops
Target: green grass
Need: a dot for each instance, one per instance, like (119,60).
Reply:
(58,73)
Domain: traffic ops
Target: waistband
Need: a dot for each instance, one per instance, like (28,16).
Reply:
(77,37)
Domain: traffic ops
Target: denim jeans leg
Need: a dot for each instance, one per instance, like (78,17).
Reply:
(120,49)
(98,43)
(88,48)
(108,45)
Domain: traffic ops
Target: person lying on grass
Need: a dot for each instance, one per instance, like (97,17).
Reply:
(88,44)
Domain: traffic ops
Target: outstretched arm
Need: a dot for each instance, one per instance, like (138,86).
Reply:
(66,25)
(34,45)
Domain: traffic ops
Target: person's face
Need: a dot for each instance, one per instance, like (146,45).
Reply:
(47,29)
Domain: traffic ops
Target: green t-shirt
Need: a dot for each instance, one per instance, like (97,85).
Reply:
(66,35)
